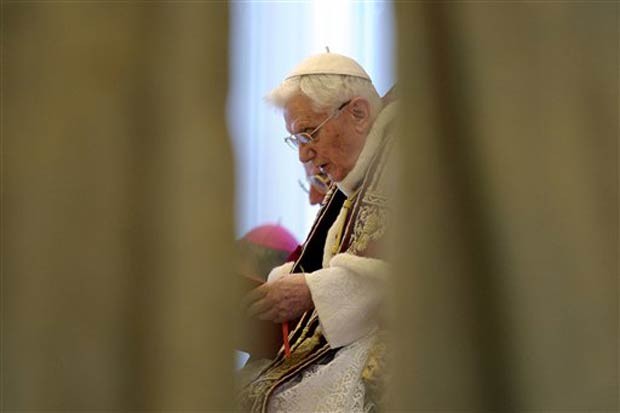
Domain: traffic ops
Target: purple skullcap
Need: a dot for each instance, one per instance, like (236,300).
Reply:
(272,236)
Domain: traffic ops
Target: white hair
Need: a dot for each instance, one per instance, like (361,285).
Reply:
(326,91)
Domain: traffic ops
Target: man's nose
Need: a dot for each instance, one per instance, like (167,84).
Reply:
(306,153)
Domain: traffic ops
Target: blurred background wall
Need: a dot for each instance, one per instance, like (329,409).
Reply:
(117,192)
(507,252)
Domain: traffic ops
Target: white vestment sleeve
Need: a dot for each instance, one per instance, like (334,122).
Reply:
(280,271)
(347,296)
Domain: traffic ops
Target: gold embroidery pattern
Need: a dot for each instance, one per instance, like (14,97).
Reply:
(371,223)
(255,395)
(374,374)
(372,219)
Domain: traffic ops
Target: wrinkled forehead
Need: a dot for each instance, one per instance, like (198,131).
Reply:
(299,113)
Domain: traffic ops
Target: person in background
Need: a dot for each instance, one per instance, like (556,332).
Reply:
(318,184)
(263,248)
(339,125)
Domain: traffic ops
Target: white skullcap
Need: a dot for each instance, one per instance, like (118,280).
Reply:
(329,64)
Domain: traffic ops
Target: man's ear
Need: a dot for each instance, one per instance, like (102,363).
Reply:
(360,110)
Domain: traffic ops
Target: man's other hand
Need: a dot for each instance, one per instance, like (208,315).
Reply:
(282,300)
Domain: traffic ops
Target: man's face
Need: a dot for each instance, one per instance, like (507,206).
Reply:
(337,144)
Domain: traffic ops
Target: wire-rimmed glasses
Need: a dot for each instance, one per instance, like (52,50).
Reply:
(320,181)
(303,138)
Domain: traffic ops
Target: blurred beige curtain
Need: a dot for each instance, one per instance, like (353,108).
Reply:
(117,217)
(507,281)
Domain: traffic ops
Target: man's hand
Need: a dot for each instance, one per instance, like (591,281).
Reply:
(282,300)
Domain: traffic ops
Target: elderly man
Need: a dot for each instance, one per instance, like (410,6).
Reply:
(338,123)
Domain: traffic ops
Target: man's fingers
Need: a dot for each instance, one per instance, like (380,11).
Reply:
(256,294)
(268,315)
(279,317)
(257,308)
(279,300)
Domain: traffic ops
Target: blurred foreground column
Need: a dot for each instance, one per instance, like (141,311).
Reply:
(117,207)
(507,277)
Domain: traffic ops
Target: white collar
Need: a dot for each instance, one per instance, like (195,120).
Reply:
(353,180)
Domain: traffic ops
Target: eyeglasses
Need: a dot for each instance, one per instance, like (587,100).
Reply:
(303,138)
